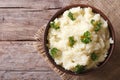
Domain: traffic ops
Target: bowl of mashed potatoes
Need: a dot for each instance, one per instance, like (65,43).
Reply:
(79,39)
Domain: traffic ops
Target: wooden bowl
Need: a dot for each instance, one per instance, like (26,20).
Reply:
(60,12)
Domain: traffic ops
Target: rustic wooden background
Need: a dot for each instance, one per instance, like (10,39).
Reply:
(20,20)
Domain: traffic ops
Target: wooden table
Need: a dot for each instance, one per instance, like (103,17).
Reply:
(20,20)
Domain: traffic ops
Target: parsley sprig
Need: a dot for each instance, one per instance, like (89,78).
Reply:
(96,24)
(71,41)
(86,38)
(94,56)
(70,15)
(79,69)
(53,25)
(54,52)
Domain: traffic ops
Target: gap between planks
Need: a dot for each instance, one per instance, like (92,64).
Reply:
(25,40)
(28,9)
(27,70)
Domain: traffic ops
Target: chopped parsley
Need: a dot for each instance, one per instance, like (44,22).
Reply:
(93,22)
(70,15)
(86,38)
(79,69)
(54,52)
(96,24)
(94,56)
(53,25)
(71,41)
(87,34)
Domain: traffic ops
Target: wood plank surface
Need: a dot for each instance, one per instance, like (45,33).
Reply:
(28,75)
(29,20)
(20,56)
(22,25)
(20,61)
(20,20)
(37,4)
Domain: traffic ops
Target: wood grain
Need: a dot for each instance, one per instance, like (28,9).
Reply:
(38,4)
(20,56)
(30,19)
(22,25)
(28,75)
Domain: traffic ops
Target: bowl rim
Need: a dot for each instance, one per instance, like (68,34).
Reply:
(95,10)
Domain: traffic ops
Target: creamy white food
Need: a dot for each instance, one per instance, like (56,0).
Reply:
(80,52)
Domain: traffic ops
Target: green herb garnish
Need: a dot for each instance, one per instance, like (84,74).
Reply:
(71,41)
(96,24)
(86,38)
(79,69)
(87,34)
(53,25)
(70,15)
(54,52)
(93,22)
(94,56)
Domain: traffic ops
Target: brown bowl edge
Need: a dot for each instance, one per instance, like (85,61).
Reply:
(111,30)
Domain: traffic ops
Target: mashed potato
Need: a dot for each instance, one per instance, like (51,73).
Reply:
(79,37)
